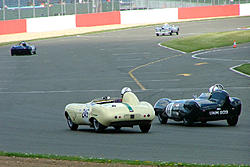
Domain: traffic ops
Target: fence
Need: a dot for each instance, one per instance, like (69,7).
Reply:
(20,9)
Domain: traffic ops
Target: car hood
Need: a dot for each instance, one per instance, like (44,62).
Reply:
(203,104)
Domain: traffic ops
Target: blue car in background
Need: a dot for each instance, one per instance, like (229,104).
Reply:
(23,49)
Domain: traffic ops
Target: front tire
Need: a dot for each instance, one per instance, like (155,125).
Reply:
(71,124)
(145,128)
(162,119)
(98,127)
(233,120)
(187,122)
(117,128)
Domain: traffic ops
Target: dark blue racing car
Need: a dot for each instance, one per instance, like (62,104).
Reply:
(23,49)
(212,106)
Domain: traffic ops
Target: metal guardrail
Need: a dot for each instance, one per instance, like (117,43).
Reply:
(20,9)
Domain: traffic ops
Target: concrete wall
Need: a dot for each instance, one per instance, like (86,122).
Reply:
(245,9)
(208,11)
(54,23)
(12,26)
(98,19)
(149,16)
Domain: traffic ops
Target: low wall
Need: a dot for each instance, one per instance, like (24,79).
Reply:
(98,19)
(55,23)
(149,16)
(44,24)
(208,11)
(12,26)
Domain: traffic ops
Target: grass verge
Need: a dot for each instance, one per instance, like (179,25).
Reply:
(129,162)
(209,40)
(244,68)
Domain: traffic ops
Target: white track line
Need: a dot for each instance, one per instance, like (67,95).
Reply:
(232,69)
(114,90)
(195,56)
(168,80)
(159,44)
(201,52)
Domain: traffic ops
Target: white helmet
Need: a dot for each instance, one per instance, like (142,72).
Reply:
(125,89)
(215,88)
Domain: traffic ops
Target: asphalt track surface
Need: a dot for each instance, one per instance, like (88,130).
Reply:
(34,91)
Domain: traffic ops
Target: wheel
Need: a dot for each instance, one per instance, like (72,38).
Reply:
(117,128)
(163,120)
(171,33)
(233,120)
(157,34)
(34,52)
(177,33)
(145,128)
(187,122)
(71,124)
(98,127)
(203,121)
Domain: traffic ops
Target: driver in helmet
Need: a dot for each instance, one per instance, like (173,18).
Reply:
(23,43)
(212,89)
(215,88)
(123,91)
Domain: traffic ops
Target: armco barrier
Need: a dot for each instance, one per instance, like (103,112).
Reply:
(208,11)
(245,9)
(12,26)
(98,19)
(44,24)
(149,16)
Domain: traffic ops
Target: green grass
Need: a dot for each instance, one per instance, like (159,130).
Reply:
(209,40)
(129,162)
(244,68)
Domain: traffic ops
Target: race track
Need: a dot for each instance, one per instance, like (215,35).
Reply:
(34,91)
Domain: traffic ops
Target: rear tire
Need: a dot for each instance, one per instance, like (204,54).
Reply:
(233,120)
(177,33)
(98,127)
(71,124)
(162,119)
(145,128)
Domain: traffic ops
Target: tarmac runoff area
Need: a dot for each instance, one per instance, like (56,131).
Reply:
(35,89)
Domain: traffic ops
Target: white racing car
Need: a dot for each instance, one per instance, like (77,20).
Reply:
(101,113)
(167,29)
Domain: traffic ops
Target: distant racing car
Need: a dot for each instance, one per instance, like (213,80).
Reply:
(167,29)
(212,106)
(23,49)
(105,112)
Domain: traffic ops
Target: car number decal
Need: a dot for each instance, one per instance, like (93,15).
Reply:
(169,109)
(222,112)
(85,113)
